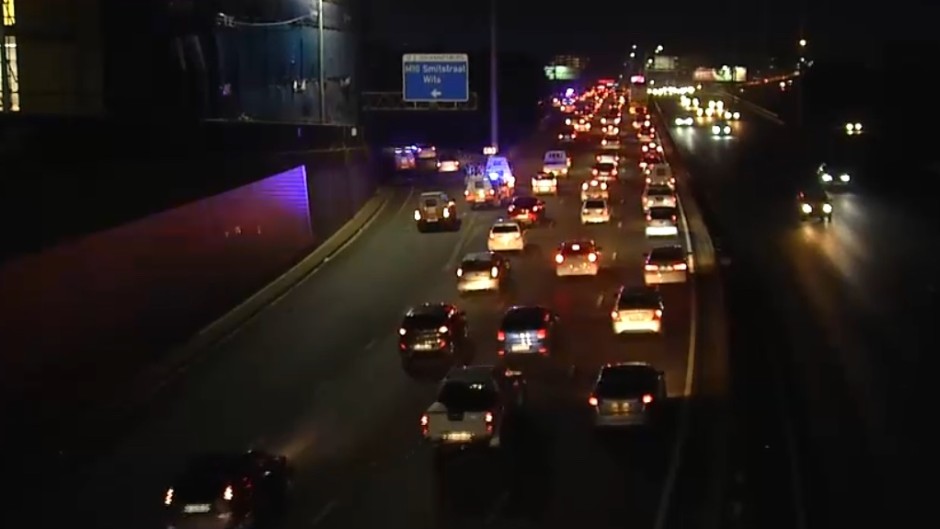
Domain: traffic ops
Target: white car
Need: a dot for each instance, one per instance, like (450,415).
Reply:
(721,130)
(662,222)
(544,184)
(637,310)
(665,264)
(607,157)
(448,165)
(577,258)
(594,189)
(506,236)
(660,174)
(659,196)
(610,143)
(556,163)
(595,211)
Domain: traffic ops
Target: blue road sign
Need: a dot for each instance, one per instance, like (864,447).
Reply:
(435,77)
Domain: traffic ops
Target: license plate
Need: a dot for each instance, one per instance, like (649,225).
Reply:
(458,436)
(197,508)
(637,317)
(519,347)
(423,347)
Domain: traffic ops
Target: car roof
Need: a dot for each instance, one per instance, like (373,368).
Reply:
(505,223)
(430,309)
(433,194)
(583,242)
(667,251)
(629,367)
(524,198)
(469,374)
(659,189)
(479,256)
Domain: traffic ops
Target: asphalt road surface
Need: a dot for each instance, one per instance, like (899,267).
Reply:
(317,377)
(830,326)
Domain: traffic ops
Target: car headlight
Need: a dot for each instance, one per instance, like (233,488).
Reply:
(727,130)
(716,130)
(446,213)
(827,208)
(417,215)
(807,208)
(826,177)
(844,177)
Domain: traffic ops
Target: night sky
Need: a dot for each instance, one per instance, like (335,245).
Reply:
(727,29)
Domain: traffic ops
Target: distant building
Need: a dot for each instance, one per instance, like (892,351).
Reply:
(181,59)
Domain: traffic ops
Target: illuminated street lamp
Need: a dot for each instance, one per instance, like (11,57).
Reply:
(802,43)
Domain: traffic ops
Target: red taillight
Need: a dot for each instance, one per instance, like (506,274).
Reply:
(535,208)
(592,257)
(492,192)
(559,258)
(511,208)
(592,401)
(681,266)
(488,418)
(615,315)
(542,334)
(651,268)
(649,218)
(466,193)
(673,218)
(501,336)
(424,420)
(647,398)
(594,171)
(228,493)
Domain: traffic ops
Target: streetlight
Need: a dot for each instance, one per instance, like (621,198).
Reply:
(494,102)
(802,43)
(659,49)
(634,46)
(633,55)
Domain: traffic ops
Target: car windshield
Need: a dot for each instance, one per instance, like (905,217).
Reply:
(577,248)
(658,190)
(461,396)
(595,204)
(430,202)
(662,172)
(424,321)
(476,265)
(605,167)
(506,228)
(525,202)
(662,213)
(543,176)
(669,254)
(626,383)
(524,319)
(638,299)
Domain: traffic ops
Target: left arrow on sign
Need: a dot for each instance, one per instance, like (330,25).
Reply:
(435,93)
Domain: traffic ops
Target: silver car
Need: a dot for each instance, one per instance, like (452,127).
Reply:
(482,271)
(666,264)
(577,258)
(659,196)
(662,222)
(627,394)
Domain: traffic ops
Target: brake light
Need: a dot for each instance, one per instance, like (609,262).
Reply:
(659,313)
(442,329)
(592,257)
(459,272)
(228,493)
(651,268)
(615,315)
(649,218)
(603,186)
(168,497)
(594,171)
(559,258)
(592,401)
(673,218)
(541,334)
(584,186)
(466,193)
(512,207)
(494,271)
(535,208)
(402,331)
(501,336)
(647,398)
(488,418)
(681,266)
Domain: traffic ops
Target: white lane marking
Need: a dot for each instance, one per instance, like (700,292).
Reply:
(324,513)
(619,224)
(497,507)
(466,233)
(600,300)
(401,208)
(685,415)
(371,344)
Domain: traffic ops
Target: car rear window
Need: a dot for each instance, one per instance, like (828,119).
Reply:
(662,171)
(476,265)
(577,248)
(505,228)
(662,213)
(522,319)
(605,166)
(463,396)
(430,202)
(667,254)
(637,299)
(658,190)
(524,202)
(626,383)
(479,185)
(595,204)
(424,321)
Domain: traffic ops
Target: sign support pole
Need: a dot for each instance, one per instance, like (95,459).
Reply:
(494,96)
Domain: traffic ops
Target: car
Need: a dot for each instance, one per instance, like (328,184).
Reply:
(649,158)
(665,264)
(660,174)
(595,211)
(626,394)
(684,120)
(637,309)
(556,163)
(607,157)
(228,490)
(605,172)
(482,191)
(425,151)
(651,146)
(659,196)
(436,209)
(527,211)
(471,408)
(662,222)
(577,258)
(404,159)
(814,204)
(610,143)
(448,164)
(544,184)
(611,118)
(721,129)
(527,330)
(506,236)
(482,271)
(833,178)
(611,131)
(433,331)
(567,137)
(594,189)
(646,135)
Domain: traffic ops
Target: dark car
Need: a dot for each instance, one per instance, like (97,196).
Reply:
(228,490)
(627,394)
(432,331)
(814,204)
(834,176)
(527,211)
(527,330)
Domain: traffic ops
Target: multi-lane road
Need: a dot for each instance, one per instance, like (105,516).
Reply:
(316,376)
(829,326)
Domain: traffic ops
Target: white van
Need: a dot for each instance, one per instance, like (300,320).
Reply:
(556,163)
(498,169)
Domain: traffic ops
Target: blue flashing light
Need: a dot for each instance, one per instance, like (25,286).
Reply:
(569,92)
(494,176)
